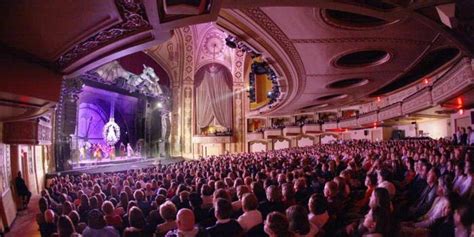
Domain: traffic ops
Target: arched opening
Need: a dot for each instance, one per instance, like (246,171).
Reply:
(213,100)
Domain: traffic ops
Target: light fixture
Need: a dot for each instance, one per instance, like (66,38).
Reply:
(230,41)
(159,105)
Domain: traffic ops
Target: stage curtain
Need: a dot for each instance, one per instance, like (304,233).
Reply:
(204,112)
(220,95)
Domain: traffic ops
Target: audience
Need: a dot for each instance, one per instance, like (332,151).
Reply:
(352,188)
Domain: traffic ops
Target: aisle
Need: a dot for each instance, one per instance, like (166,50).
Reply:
(25,222)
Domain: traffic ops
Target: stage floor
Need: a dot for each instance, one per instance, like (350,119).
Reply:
(108,166)
(105,161)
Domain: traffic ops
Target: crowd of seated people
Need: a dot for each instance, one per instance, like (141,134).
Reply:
(352,188)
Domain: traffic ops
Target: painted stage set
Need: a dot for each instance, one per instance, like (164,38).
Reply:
(112,116)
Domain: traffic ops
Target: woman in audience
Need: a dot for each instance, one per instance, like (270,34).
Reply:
(137,223)
(251,216)
(277,225)
(168,213)
(299,223)
(66,227)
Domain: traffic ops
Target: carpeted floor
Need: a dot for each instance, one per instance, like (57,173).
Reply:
(25,222)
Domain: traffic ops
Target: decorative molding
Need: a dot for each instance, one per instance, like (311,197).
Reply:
(329,125)
(420,100)
(391,111)
(253,136)
(311,128)
(211,139)
(278,35)
(348,123)
(368,118)
(292,131)
(272,132)
(361,40)
(134,21)
(460,77)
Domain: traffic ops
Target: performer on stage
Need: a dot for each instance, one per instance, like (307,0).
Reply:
(112,152)
(98,153)
(82,152)
(122,150)
(129,150)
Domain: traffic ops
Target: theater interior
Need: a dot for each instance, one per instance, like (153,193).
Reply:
(174,99)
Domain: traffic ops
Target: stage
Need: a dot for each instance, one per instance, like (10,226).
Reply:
(117,165)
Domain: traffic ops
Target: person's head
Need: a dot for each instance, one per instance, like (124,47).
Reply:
(241,190)
(273,193)
(108,208)
(185,220)
(383,175)
(371,180)
(317,204)
(468,167)
(249,202)
(168,211)
(67,207)
(49,216)
(432,176)
(444,186)
(276,225)
(330,189)
(376,221)
(222,209)
(65,226)
(463,215)
(19,174)
(138,195)
(221,193)
(136,218)
(206,190)
(298,220)
(96,219)
(380,198)
(75,218)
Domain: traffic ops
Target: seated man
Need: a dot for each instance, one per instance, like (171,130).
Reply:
(224,225)
(423,204)
(185,221)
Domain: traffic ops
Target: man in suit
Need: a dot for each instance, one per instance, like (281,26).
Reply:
(427,197)
(224,225)
(22,191)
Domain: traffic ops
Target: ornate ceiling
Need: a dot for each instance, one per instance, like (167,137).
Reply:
(343,53)
(328,54)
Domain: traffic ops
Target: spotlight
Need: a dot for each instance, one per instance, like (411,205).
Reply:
(259,68)
(230,41)
(159,105)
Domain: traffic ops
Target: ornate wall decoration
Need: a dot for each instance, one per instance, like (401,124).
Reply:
(279,36)
(460,77)
(213,45)
(391,111)
(367,118)
(418,101)
(134,21)
(188,91)
(360,40)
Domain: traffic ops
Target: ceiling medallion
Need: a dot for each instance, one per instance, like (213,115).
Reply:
(214,44)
